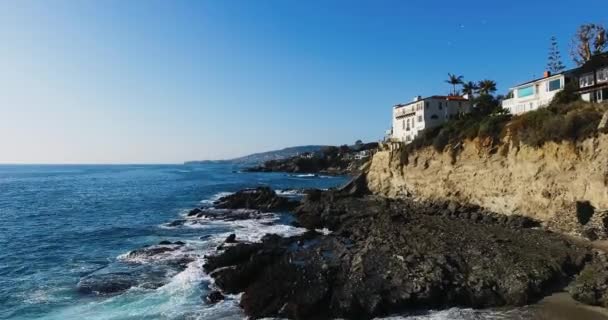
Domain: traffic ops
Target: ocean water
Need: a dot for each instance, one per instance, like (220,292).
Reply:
(61,225)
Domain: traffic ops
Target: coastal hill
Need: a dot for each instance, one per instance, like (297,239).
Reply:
(261,157)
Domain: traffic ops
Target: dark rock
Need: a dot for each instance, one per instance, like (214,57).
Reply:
(194,212)
(214,297)
(165,242)
(356,187)
(176,223)
(261,198)
(591,285)
(106,284)
(387,256)
(231,238)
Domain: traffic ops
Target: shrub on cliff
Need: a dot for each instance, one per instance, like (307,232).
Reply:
(558,122)
(458,130)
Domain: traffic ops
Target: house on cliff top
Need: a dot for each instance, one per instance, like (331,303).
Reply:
(411,118)
(590,80)
(536,93)
(593,79)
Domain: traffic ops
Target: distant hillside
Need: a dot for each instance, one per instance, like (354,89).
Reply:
(259,158)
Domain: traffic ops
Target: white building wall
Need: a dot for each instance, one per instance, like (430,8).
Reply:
(541,96)
(424,114)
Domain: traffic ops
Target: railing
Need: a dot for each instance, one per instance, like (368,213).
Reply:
(404,111)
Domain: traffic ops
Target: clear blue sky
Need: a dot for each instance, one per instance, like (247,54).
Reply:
(167,81)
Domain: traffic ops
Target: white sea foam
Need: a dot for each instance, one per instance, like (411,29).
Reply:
(324,231)
(215,197)
(289,192)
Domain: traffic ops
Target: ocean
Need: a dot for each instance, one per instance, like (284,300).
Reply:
(63,225)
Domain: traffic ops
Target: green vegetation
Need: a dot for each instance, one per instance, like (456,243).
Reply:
(558,122)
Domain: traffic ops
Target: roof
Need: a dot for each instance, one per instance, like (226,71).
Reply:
(542,78)
(596,62)
(449,98)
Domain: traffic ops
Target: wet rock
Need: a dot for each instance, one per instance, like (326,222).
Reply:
(106,284)
(194,212)
(231,238)
(214,297)
(261,198)
(176,223)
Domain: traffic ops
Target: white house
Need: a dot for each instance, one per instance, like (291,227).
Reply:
(590,79)
(535,94)
(411,118)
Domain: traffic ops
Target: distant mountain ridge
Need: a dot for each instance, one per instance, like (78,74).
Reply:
(261,157)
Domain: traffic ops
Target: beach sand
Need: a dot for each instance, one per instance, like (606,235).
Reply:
(560,306)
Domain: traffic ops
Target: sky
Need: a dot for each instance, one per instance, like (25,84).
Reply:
(128,81)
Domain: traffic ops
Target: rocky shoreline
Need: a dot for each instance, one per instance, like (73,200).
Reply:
(384,256)
(360,256)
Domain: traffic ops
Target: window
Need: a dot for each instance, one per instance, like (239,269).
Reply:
(525,91)
(408,124)
(403,124)
(554,85)
(434,117)
(459,104)
(426,104)
(602,75)
(586,80)
(440,105)
(419,118)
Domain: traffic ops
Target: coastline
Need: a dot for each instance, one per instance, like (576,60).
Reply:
(516,262)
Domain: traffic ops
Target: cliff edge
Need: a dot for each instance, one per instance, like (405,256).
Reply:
(563,185)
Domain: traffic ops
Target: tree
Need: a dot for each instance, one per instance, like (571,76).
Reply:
(454,80)
(554,63)
(486,87)
(469,88)
(589,40)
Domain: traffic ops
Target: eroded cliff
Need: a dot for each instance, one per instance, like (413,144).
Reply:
(564,185)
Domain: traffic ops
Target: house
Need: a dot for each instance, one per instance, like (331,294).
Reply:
(422,113)
(363,154)
(593,79)
(537,93)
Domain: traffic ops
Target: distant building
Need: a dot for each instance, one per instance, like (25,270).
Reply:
(536,93)
(364,154)
(423,113)
(593,79)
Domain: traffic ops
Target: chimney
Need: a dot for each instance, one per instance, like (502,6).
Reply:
(547,74)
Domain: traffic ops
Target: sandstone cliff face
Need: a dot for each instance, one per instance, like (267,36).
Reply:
(564,185)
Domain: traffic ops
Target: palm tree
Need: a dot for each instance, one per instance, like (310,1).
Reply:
(469,88)
(454,80)
(486,87)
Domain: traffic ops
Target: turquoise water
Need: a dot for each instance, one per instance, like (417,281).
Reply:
(60,224)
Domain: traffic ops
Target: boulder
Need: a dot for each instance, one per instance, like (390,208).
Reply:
(261,198)
(214,297)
